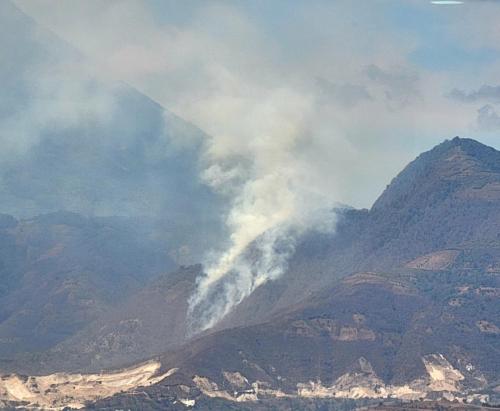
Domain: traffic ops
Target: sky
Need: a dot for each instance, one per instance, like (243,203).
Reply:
(305,104)
(369,84)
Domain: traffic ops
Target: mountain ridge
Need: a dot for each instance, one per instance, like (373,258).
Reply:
(400,302)
(463,151)
(385,238)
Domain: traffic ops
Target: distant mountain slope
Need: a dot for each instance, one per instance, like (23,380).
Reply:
(395,241)
(388,306)
(72,141)
(147,323)
(448,198)
(411,336)
(403,301)
(61,271)
(123,170)
(462,167)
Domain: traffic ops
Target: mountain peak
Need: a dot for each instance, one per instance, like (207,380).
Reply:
(455,164)
(470,146)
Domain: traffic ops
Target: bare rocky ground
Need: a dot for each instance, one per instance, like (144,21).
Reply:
(62,390)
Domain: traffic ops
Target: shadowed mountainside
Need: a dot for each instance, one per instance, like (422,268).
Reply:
(125,172)
(446,199)
(392,239)
(61,271)
(401,302)
(147,323)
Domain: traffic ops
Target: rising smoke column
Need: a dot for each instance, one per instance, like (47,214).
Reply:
(260,246)
(270,205)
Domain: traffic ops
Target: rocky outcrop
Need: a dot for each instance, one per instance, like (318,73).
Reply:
(441,381)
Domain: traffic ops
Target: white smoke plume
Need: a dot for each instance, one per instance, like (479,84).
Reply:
(228,283)
(271,205)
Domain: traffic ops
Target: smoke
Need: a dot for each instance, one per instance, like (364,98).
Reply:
(273,197)
(47,86)
(216,64)
(232,276)
(228,281)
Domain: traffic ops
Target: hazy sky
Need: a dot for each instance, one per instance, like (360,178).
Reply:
(348,90)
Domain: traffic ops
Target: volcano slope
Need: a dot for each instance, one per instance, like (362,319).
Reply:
(446,202)
(402,301)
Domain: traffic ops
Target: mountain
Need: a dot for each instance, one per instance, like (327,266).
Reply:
(147,323)
(61,271)
(100,192)
(388,240)
(446,199)
(77,142)
(401,302)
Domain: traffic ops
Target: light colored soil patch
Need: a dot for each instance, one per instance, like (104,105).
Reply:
(487,327)
(489,192)
(439,260)
(363,382)
(443,377)
(56,391)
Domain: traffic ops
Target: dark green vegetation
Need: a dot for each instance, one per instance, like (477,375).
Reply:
(298,404)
